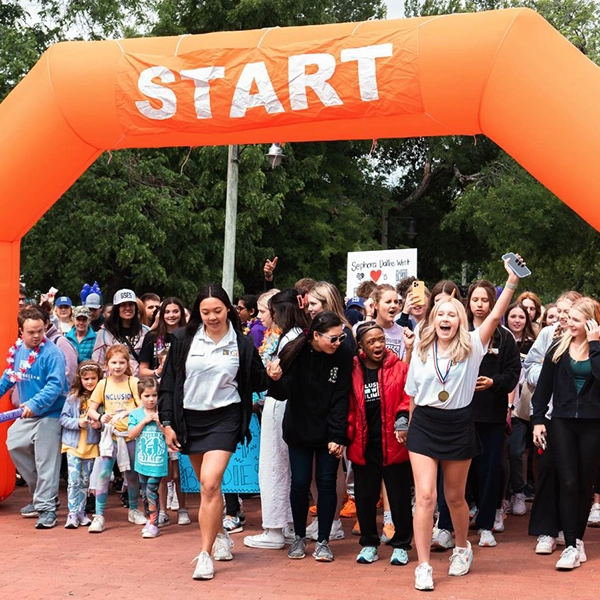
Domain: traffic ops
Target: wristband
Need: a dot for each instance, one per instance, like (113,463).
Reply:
(511,286)
(166,424)
(401,424)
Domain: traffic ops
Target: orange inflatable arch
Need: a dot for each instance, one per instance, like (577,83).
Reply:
(507,74)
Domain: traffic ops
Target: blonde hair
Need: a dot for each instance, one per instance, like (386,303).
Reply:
(460,347)
(590,309)
(328,295)
(263,299)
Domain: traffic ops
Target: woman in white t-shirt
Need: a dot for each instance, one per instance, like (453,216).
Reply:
(387,307)
(441,382)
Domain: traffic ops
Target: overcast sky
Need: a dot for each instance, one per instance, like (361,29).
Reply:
(395,9)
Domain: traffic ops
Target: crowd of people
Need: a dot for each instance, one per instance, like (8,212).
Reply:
(448,412)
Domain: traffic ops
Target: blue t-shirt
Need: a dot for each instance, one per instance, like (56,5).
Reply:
(151,457)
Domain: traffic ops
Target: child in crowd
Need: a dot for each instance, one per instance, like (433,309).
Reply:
(118,396)
(80,438)
(151,459)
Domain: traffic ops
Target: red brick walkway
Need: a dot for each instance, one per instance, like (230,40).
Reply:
(118,563)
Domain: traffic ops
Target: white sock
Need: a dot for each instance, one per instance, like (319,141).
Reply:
(387,517)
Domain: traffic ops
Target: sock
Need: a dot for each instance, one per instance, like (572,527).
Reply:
(387,517)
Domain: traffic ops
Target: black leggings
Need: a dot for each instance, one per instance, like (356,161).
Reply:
(576,451)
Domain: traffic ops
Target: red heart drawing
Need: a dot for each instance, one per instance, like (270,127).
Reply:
(375,275)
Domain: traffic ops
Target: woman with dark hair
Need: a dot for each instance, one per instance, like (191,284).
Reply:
(443,290)
(317,372)
(122,326)
(251,325)
(205,405)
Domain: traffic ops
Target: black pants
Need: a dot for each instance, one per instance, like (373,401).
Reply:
(232,504)
(518,442)
(301,462)
(367,486)
(577,456)
(544,518)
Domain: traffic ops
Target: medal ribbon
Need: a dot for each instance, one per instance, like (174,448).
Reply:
(438,372)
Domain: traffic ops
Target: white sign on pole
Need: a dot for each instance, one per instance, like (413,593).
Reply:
(380,266)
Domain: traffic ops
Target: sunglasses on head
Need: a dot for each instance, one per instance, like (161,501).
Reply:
(334,338)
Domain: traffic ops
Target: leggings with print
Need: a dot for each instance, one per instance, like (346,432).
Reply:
(104,471)
(149,487)
(79,470)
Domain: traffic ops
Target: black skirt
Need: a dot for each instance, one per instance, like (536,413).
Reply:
(217,429)
(443,434)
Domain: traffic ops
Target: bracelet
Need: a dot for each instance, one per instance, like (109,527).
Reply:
(166,423)
(511,286)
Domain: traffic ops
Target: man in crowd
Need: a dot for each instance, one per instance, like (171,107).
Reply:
(82,336)
(151,303)
(94,303)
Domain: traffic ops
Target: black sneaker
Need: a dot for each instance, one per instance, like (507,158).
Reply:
(46,520)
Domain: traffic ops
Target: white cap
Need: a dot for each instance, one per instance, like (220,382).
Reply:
(124,296)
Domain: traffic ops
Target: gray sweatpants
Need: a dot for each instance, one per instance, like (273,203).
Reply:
(34,445)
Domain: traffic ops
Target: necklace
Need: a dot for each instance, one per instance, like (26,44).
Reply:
(443,396)
(16,376)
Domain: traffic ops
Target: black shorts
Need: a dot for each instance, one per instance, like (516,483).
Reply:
(207,430)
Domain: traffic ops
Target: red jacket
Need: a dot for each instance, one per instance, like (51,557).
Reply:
(392,377)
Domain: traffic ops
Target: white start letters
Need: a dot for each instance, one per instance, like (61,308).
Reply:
(305,71)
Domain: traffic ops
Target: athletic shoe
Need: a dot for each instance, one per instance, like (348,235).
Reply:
(473,510)
(289,535)
(183,517)
(486,538)
(581,550)
(424,577)
(507,506)
(232,524)
(569,559)
(560,540)
(528,493)
(170,489)
(442,540)
(336,533)
(163,519)
(498,521)
(150,531)
(136,517)
(269,539)
(46,520)
(298,548)
(594,518)
(174,500)
(322,552)
(518,505)
(546,544)
(97,525)
(349,509)
(367,555)
(313,529)
(222,547)
(387,533)
(399,557)
(356,528)
(72,521)
(460,561)
(83,519)
(29,511)
(204,567)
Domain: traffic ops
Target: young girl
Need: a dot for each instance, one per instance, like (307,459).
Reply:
(80,438)
(118,396)
(151,459)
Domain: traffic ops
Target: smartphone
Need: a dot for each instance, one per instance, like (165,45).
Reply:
(517,265)
(418,292)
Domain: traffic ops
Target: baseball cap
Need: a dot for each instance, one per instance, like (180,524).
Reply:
(93,301)
(63,301)
(124,295)
(356,301)
(82,311)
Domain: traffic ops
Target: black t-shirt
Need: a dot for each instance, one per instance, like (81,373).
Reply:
(373,408)
(152,347)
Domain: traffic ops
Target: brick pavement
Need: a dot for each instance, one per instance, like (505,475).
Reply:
(118,563)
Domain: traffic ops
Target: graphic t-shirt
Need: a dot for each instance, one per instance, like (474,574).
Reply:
(117,397)
(394,340)
(154,347)
(151,456)
(373,407)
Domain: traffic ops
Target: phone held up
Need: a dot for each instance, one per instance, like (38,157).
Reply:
(518,267)
(418,292)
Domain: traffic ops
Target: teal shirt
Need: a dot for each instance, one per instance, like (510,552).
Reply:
(151,456)
(581,370)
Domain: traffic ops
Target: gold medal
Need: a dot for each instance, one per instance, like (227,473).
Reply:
(443,396)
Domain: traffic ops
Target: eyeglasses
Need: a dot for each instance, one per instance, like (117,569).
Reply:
(334,338)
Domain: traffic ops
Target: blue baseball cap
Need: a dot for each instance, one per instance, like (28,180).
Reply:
(355,301)
(63,301)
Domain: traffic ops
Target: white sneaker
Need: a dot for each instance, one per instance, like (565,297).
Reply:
(289,535)
(560,540)
(204,567)
(170,490)
(569,559)
(498,521)
(546,544)
(581,550)
(312,529)
(97,525)
(174,499)
(222,547)
(424,577)
(518,505)
(337,531)
(441,540)
(473,511)
(163,519)
(183,517)
(136,517)
(270,539)
(594,518)
(486,538)
(507,506)
(460,561)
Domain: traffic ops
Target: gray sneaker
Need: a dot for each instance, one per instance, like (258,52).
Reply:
(46,520)
(29,511)
(322,552)
(298,548)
